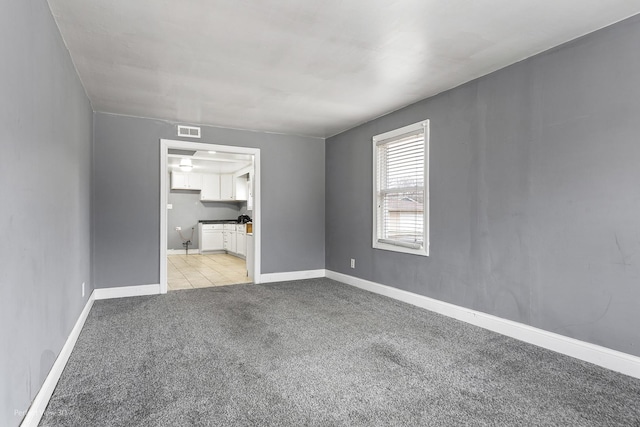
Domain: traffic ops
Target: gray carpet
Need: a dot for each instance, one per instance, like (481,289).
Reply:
(317,352)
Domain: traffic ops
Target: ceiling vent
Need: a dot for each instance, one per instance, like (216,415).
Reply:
(189,131)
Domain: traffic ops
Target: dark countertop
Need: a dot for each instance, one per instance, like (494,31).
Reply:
(218,221)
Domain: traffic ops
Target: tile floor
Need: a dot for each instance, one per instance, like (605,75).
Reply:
(201,271)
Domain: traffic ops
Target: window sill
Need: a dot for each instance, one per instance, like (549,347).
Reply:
(401,249)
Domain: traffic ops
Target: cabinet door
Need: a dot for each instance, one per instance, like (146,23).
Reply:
(241,242)
(241,187)
(233,244)
(179,181)
(210,187)
(218,240)
(194,181)
(210,237)
(211,241)
(249,194)
(206,241)
(186,181)
(226,187)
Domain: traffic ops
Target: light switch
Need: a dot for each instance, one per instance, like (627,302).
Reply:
(169,206)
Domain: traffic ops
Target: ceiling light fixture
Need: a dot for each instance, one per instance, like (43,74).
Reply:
(212,152)
(185,165)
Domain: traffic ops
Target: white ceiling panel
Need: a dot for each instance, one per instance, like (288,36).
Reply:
(311,68)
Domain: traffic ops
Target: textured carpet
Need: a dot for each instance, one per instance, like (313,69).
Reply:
(317,352)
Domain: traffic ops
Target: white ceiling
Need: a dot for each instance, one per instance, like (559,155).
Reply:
(300,66)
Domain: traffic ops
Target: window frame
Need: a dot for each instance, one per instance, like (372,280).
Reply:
(376,244)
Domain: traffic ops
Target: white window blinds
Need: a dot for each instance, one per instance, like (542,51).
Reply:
(400,193)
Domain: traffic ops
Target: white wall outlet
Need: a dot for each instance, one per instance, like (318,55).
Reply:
(353,263)
(169,206)
(83,289)
(178,228)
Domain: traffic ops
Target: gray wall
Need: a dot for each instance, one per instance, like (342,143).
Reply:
(535,193)
(188,210)
(126,198)
(45,159)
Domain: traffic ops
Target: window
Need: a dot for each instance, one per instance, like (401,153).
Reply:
(401,189)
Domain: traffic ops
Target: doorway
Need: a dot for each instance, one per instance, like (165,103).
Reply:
(188,265)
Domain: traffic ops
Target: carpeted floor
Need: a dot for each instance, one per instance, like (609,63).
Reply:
(317,352)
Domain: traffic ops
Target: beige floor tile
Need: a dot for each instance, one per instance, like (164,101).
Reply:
(214,273)
(195,270)
(194,264)
(179,284)
(200,283)
(242,279)
(225,283)
(227,271)
(193,276)
(179,264)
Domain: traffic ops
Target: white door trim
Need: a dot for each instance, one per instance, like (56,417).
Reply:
(165,145)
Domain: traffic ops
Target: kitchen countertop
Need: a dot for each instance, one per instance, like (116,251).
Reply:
(219,221)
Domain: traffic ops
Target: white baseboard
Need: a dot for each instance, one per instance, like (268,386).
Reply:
(291,275)
(39,404)
(126,291)
(598,355)
(182,251)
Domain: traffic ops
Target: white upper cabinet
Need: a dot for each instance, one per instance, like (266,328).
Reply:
(210,187)
(249,193)
(186,181)
(226,187)
(241,187)
(217,187)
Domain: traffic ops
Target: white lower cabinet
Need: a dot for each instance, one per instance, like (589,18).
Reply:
(241,240)
(230,244)
(211,237)
(223,237)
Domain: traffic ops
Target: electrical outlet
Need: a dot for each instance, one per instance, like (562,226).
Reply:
(82,289)
(178,228)
(353,263)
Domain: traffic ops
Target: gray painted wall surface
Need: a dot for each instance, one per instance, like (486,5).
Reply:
(535,194)
(188,210)
(126,198)
(45,146)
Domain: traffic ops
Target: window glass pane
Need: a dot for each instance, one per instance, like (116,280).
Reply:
(402,164)
(403,215)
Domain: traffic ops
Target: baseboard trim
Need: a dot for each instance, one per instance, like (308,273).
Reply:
(592,353)
(126,291)
(292,275)
(182,251)
(39,404)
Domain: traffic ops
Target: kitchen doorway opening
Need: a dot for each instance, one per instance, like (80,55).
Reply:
(209,215)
